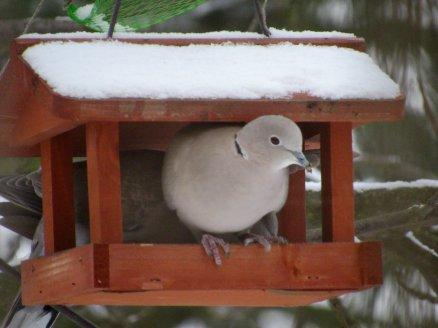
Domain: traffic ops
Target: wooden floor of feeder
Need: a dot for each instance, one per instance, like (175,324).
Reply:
(129,274)
(41,121)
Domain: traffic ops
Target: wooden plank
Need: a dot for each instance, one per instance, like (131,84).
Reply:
(293,215)
(302,109)
(58,204)
(15,88)
(166,271)
(247,298)
(38,119)
(337,182)
(104,185)
(64,274)
(19,45)
(297,266)
(371,264)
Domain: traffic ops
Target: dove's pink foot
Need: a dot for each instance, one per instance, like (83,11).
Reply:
(211,243)
(266,242)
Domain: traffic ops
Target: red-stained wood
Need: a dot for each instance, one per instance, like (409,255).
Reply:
(14,88)
(128,268)
(61,275)
(38,119)
(21,44)
(246,298)
(42,113)
(337,182)
(104,185)
(57,182)
(292,221)
(297,266)
(310,109)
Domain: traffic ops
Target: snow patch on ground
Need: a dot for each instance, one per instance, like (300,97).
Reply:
(3,200)
(112,69)
(410,235)
(276,33)
(361,186)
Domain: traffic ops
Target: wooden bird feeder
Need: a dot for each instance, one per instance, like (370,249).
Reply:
(37,121)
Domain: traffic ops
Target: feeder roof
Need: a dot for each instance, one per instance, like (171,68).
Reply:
(57,82)
(107,69)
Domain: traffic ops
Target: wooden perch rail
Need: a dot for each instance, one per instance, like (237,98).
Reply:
(169,272)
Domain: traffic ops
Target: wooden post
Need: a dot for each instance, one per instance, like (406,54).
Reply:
(293,215)
(104,186)
(57,183)
(337,182)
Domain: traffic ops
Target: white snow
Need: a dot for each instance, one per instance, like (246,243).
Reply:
(84,11)
(361,186)
(276,33)
(410,235)
(113,69)
(3,200)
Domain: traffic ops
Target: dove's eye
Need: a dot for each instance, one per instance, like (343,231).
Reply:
(275,141)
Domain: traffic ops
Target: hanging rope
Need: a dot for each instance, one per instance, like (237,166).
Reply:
(114,16)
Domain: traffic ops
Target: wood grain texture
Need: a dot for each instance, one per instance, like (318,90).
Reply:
(304,109)
(337,182)
(46,279)
(104,184)
(246,298)
(129,268)
(37,119)
(58,203)
(292,221)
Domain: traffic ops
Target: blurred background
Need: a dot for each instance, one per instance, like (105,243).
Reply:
(402,37)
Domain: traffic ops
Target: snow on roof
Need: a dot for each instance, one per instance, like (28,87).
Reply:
(361,186)
(276,33)
(110,69)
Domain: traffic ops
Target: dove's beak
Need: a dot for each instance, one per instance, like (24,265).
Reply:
(302,160)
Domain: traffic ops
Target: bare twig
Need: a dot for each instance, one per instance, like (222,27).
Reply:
(114,16)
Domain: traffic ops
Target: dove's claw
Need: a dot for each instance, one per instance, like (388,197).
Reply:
(266,242)
(211,243)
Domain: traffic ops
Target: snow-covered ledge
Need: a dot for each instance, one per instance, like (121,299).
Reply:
(275,33)
(101,69)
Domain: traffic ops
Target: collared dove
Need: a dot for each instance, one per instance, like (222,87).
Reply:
(225,179)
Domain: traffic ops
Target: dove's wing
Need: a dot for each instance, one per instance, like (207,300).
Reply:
(19,190)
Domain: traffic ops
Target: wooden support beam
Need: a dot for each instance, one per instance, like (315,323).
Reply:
(158,274)
(293,215)
(104,185)
(58,205)
(337,182)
